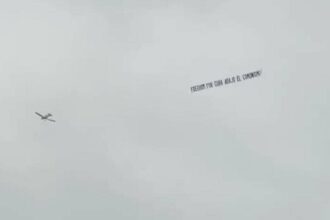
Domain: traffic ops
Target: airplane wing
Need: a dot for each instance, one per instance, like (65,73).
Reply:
(51,120)
(39,114)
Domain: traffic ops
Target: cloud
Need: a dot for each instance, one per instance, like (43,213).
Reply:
(131,141)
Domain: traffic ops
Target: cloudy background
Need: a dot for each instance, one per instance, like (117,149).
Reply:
(132,142)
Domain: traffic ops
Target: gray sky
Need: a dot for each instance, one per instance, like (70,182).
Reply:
(132,142)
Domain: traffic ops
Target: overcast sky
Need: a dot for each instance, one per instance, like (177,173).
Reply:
(132,142)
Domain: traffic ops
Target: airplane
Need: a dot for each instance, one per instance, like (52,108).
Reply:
(45,117)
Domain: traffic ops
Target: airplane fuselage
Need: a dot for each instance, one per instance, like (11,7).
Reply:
(45,117)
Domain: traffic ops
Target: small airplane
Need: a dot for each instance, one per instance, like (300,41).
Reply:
(45,117)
